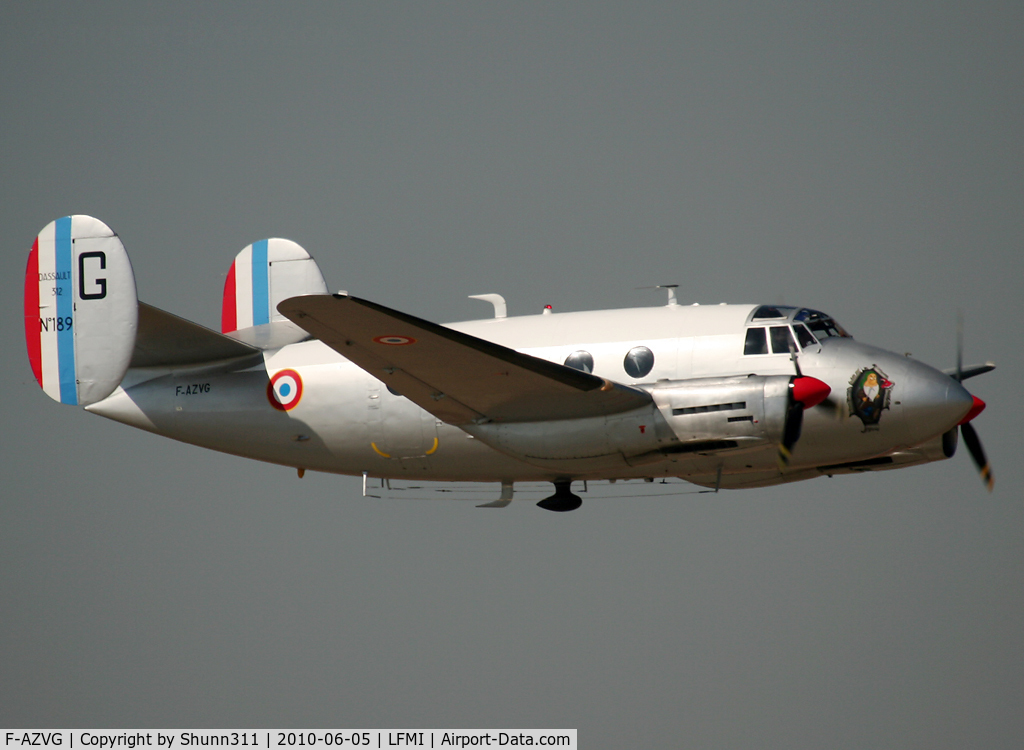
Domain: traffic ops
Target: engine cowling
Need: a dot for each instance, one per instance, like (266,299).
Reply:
(701,416)
(746,410)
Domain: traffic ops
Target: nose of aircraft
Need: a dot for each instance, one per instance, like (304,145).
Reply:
(932,401)
(976,409)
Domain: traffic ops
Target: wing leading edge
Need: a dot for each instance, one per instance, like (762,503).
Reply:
(456,377)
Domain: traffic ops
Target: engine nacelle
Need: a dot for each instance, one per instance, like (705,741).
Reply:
(580,446)
(702,416)
(747,409)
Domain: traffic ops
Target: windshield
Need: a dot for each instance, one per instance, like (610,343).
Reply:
(822,325)
(768,312)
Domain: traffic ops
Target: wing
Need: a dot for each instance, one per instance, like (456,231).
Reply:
(456,377)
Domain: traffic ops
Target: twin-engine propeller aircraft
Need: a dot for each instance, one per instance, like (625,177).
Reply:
(724,396)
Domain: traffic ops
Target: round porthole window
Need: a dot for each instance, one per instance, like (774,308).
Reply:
(638,361)
(580,360)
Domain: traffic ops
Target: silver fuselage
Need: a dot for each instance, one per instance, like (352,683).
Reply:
(348,422)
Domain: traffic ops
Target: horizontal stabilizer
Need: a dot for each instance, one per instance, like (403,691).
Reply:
(456,377)
(165,340)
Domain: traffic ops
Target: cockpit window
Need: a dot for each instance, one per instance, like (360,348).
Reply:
(822,325)
(781,338)
(756,342)
(767,312)
(804,336)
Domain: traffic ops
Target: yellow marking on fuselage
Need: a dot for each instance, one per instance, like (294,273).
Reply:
(378,451)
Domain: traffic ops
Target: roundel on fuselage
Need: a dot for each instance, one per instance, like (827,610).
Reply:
(284,390)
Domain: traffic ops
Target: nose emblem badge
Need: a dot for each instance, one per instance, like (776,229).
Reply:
(868,395)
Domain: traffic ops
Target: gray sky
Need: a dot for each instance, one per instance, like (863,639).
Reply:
(862,160)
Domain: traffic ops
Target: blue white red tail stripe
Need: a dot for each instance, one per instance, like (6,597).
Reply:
(229,310)
(263,274)
(32,327)
(64,287)
(80,332)
(46,330)
(260,284)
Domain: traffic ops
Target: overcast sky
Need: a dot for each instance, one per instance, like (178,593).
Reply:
(865,160)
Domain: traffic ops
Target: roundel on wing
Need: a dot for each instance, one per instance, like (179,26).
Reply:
(284,390)
(395,340)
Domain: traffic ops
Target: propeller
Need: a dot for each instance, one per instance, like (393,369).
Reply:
(803,393)
(959,345)
(977,454)
(791,430)
(970,436)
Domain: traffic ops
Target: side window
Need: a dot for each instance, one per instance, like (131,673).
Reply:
(639,361)
(804,336)
(756,342)
(580,360)
(780,339)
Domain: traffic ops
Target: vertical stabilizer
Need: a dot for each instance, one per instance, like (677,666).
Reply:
(81,311)
(262,275)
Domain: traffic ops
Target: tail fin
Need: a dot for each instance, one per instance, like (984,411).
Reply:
(262,275)
(81,312)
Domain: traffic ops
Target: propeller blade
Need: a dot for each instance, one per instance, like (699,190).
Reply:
(971,439)
(978,454)
(804,392)
(959,345)
(791,432)
(793,357)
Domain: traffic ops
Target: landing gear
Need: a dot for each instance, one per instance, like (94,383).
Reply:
(563,500)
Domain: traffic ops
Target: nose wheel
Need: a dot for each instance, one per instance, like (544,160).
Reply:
(563,500)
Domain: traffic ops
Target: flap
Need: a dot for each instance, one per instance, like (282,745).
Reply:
(165,340)
(456,377)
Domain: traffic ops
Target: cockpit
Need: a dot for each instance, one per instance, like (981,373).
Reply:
(775,326)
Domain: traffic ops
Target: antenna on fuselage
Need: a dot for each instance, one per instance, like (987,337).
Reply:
(500,309)
(670,288)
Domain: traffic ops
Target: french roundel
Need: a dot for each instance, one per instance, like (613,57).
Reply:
(285,390)
(395,340)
